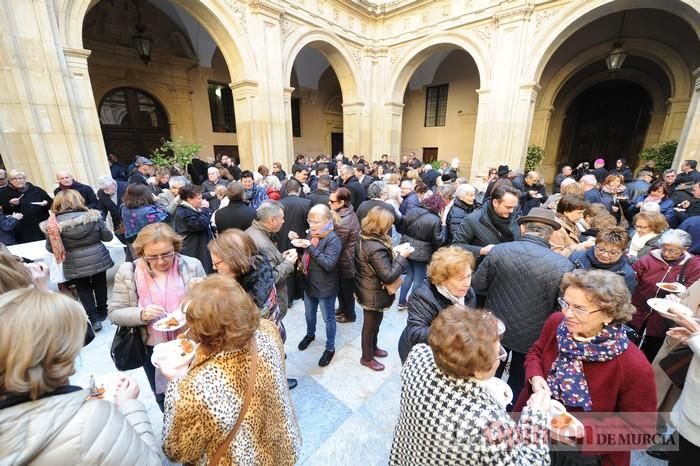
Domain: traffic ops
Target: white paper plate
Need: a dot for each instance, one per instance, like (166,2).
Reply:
(677,287)
(662,306)
(569,430)
(300,243)
(161,326)
(107,381)
(171,354)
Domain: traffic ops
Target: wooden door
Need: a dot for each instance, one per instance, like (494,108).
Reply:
(430,154)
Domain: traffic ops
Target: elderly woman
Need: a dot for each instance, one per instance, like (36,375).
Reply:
(614,195)
(85,259)
(319,264)
(235,255)
(169,199)
(151,287)
(453,409)
(463,205)
(658,194)
(422,228)
(608,254)
(584,359)
(241,359)
(20,196)
(377,266)
(45,419)
(565,240)
(449,282)
(139,209)
(648,228)
(192,220)
(347,229)
(274,186)
(670,263)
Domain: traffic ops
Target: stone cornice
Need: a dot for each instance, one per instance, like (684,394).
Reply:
(266,8)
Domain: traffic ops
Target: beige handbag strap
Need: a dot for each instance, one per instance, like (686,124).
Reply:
(214,461)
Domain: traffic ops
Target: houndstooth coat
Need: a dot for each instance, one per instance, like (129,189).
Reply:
(445,420)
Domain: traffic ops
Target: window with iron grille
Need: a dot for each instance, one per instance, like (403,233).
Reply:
(435,105)
(296,117)
(223,117)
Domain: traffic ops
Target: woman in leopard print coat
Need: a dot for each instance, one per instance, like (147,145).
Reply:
(202,407)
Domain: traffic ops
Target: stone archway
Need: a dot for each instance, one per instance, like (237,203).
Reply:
(346,69)
(402,73)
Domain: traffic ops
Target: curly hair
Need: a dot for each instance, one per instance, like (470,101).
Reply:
(607,289)
(220,314)
(447,262)
(464,341)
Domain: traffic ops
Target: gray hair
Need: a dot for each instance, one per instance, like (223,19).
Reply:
(463,189)
(273,182)
(374,190)
(589,180)
(407,183)
(447,191)
(267,210)
(676,237)
(212,170)
(177,181)
(105,182)
(321,210)
(538,229)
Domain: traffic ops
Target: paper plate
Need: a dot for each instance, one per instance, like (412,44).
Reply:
(565,424)
(106,382)
(300,243)
(662,306)
(166,324)
(671,287)
(172,353)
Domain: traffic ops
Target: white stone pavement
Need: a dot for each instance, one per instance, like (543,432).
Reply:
(346,412)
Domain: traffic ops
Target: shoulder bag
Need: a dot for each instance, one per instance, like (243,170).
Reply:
(390,288)
(128,350)
(214,461)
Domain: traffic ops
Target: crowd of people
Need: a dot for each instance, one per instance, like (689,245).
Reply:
(515,300)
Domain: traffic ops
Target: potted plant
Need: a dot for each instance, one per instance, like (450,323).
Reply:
(535,154)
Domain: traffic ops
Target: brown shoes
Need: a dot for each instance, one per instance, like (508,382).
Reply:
(380,353)
(372,364)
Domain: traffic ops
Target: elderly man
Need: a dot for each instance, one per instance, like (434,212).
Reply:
(599,170)
(534,193)
(237,214)
(29,200)
(144,170)
(410,198)
(358,194)
(429,176)
(590,191)
(463,205)
(495,223)
(109,200)
(689,173)
(65,181)
(374,194)
(566,172)
(520,282)
(209,187)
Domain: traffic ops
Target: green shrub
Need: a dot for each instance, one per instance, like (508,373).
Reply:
(535,154)
(175,153)
(662,153)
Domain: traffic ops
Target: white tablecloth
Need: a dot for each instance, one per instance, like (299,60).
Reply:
(36,251)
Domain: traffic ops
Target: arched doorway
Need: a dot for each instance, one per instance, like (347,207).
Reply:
(133,123)
(607,120)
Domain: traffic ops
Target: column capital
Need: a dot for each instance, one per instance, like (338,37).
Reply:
(244,88)
(353,106)
(69,52)
(394,104)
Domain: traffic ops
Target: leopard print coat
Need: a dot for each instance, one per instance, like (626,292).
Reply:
(202,407)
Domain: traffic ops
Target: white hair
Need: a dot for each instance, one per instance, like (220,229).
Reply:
(407,183)
(213,170)
(650,207)
(463,189)
(589,180)
(177,181)
(273,182)
(105,182)
(676,237)
(567,182)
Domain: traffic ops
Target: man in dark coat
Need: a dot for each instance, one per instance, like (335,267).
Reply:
(599,170)
(209,187)
(534,193)
(566,172)
(322,192)
(590,192)
(296,209)
(193,222)
(361,175)
(410,198)
(116,169)
(65,181)
(493,224)
(237,214)
(689,173)
(29,200)
(357,192)
(110,197)
(429,176)
(463,205)
(300,172)
(144,170)
(374,194)
(520,281)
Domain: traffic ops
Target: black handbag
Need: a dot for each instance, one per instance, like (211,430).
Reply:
(128,350)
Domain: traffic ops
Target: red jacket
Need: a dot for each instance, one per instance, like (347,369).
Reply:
(624,384)
(273,194)
(652,269)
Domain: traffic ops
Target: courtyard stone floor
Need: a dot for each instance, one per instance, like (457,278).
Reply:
(346,412)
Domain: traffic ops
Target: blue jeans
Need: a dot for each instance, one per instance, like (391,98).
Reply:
(328,313)
(415,275)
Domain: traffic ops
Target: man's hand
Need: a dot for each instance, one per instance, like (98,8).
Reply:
(486,249)
(17,216)
(14,201)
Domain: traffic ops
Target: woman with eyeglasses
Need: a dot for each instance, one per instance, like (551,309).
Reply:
(608,253)
(584,359)
(22,197)
(648,227)
(452,409)
(151,287)
(348,230)
(671,263)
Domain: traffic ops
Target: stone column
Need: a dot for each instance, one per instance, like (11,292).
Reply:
(252,142)
(689,141)
(353,117)
(393,120)
(481,155)
(289,155)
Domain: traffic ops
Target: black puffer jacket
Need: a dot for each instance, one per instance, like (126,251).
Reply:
(348,230)
(521,280)
(424,304)
(82,233)
(477,231)
(322,278)
(456,215)
(424,231)
(376,265)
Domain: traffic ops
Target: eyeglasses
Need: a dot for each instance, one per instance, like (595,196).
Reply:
(333,201)
(216,264)
(672,251)
(608,252)
(578,310)
(164,257)
(18,178)
(502,354)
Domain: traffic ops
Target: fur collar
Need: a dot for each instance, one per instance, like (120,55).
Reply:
(66,221)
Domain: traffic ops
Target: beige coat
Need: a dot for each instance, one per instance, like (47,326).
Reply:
(565,240)
(69,429)
(202,408)
(124,307)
